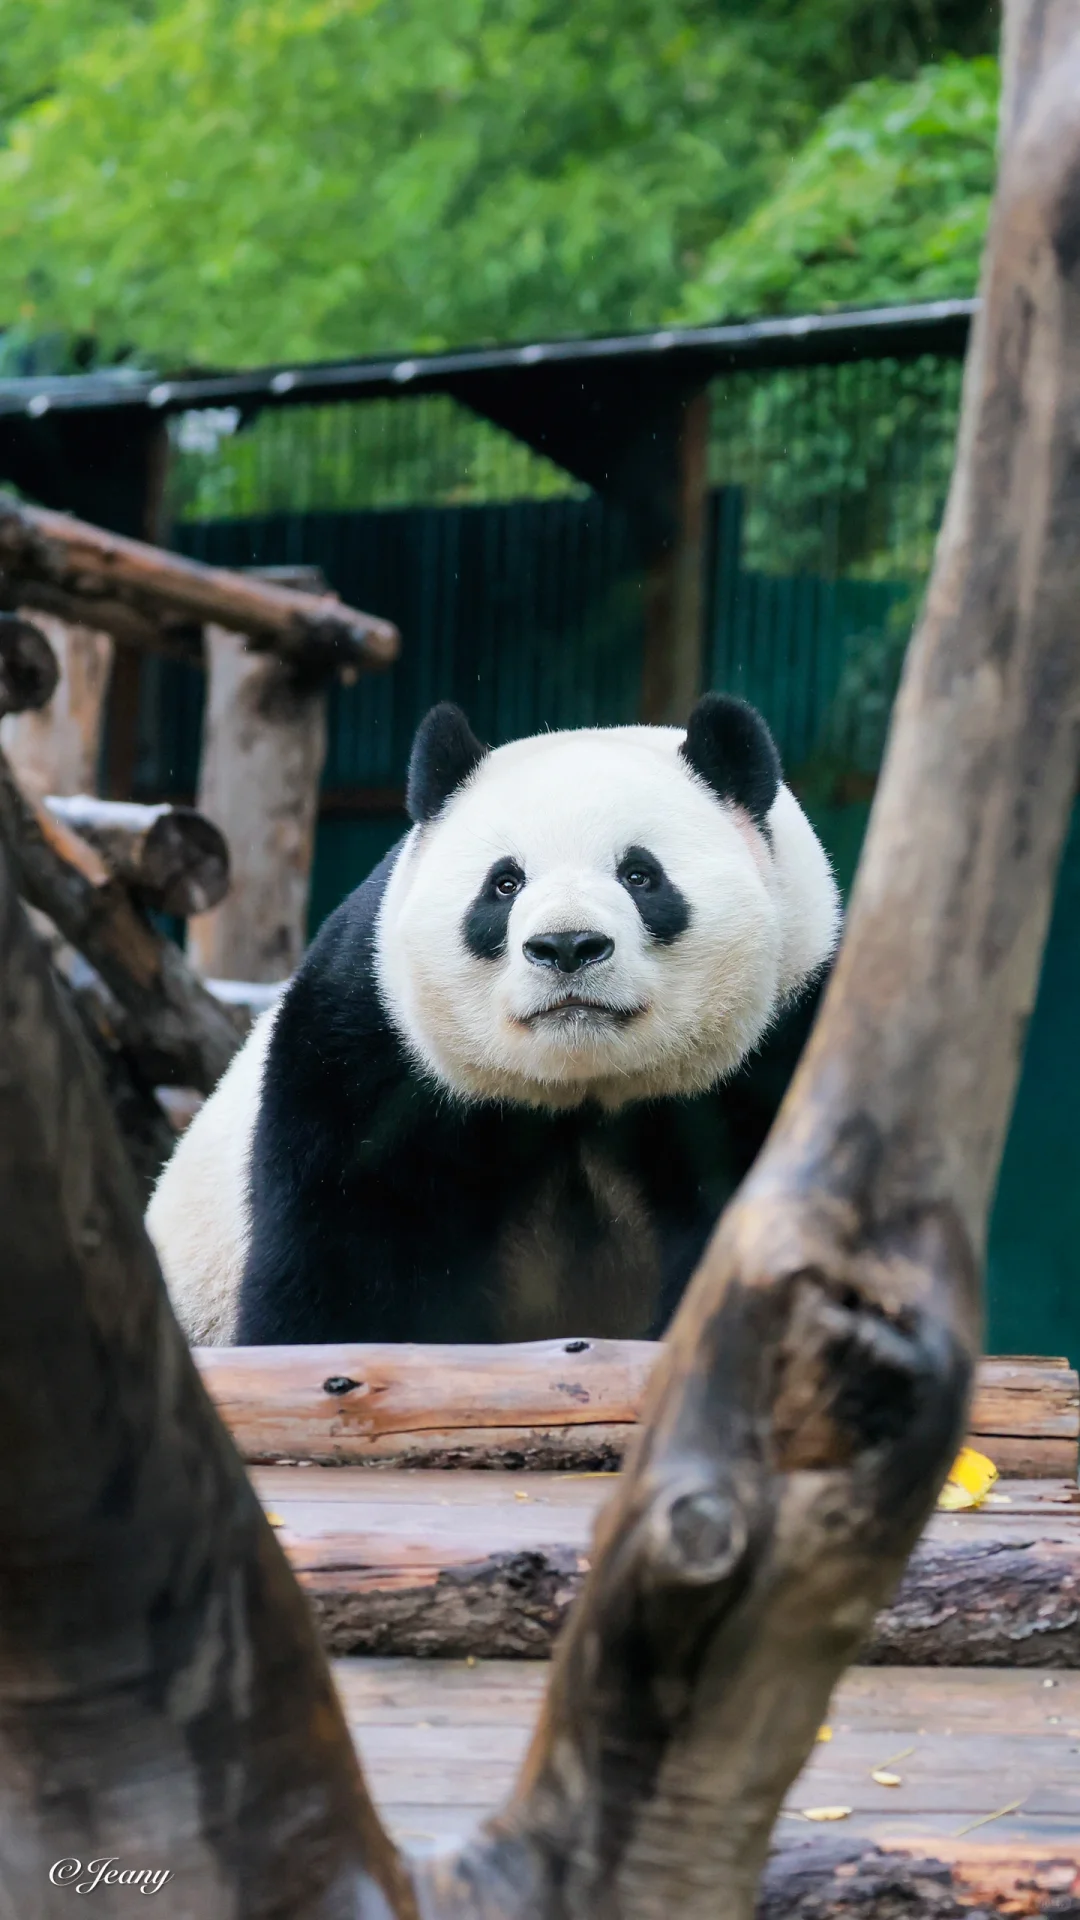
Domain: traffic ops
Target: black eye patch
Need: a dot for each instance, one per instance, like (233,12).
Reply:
(663,909)
(484,926)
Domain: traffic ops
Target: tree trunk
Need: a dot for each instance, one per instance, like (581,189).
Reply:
(162,1698)
(264,743)
(58,749)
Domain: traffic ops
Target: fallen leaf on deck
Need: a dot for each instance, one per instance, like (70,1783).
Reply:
(971,1477)
(824,1734)
(275,1519)
(884,1778)
(825,1813)
(1014,1806)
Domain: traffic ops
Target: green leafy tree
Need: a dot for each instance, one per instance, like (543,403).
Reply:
(888,201)
(243,180)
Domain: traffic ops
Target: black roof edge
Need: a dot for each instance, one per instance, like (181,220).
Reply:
(937,327)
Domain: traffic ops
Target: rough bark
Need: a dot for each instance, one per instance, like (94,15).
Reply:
(171,858)
(159,1679)
(385,1578)
(264,742)
(831,1879)
(174,1030)
(162,1696)
(56,748)
(146,597)
(142,1123)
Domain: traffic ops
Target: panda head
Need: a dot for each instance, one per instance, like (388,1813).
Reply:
(612,914)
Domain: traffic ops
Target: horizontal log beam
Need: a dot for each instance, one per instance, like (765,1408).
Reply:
(489,1569)
(831,1879)
(146,597)
(545,1404)
(173,859)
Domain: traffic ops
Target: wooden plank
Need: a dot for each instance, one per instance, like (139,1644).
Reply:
(544,1404)
(442,1742)
(487,1564)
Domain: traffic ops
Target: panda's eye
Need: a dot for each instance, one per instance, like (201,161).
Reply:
(637,877)
(507,884)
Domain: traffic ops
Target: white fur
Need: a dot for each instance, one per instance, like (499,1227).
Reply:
(198,1215)
(566,806)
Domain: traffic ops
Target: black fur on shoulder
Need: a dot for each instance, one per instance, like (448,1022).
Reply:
(729,745)
(445,751)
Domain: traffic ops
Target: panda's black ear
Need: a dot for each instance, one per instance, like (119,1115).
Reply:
(444,752)
(729,745)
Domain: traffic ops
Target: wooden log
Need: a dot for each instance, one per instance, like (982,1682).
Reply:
(545,1404)
(173,1029)
(55,743)
(163,1700)
(29,669)
(488,1565)
(264,743)
(142,595)
(171,858)
(142,1122)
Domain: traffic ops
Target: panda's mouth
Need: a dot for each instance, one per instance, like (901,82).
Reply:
(572,1005)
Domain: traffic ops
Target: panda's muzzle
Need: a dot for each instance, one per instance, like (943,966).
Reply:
(568,952)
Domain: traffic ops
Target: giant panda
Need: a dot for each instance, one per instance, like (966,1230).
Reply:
(486,1107)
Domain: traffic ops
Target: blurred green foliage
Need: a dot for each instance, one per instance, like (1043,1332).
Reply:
(231,181)
(887,202)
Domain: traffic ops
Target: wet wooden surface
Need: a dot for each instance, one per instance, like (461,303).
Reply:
(485,1563)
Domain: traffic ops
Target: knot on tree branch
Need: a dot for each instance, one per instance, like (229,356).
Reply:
(29,670)
(872,1364)
(697,1536)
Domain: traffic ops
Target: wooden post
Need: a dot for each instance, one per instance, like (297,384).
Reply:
(162,1696)
(58,749)
(673,667)
(264,743)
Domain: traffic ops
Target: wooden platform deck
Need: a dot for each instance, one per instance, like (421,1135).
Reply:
(987,1812)
(486,1563)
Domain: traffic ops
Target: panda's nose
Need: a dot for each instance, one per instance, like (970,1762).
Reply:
(568,952)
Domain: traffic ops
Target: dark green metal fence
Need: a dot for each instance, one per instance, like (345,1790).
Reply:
(519,596)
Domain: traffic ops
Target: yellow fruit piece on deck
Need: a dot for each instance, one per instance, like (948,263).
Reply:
(971,1477)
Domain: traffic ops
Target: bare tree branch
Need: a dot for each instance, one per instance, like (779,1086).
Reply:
(162,1695)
